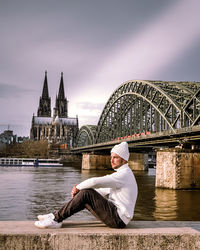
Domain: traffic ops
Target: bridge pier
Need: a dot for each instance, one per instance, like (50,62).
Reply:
(93,161)
(178,169)
(138,161)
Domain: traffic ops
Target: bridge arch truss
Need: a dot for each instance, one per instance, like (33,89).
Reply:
(86,136)
(148,106)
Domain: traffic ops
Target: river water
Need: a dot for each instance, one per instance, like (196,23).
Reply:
(26,192)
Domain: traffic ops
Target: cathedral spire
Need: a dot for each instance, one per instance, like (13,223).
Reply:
(45,92)
(44,109)
(61,93)
(61,102)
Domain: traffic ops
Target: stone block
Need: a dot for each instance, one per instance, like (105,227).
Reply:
(80,235)
(177,169)
(138,161)
(92,161)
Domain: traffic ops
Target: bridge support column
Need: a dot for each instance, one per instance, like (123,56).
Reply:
(92,161)
(177,169)
(138,161)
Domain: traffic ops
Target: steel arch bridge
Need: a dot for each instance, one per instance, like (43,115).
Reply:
(138,106)
(86,135)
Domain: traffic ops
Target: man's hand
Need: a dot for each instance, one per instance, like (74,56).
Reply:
(74,191)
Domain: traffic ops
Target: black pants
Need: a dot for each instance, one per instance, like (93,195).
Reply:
(99,206)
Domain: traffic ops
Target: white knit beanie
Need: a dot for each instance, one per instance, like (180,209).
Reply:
(121,150)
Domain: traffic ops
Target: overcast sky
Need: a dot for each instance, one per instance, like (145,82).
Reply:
(97,44)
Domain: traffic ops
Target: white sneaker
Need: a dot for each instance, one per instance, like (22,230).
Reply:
(46,216)
(49,223)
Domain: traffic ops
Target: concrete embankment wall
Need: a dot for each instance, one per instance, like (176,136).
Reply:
(94,235)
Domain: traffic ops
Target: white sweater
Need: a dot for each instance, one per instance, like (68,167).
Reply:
(121,187)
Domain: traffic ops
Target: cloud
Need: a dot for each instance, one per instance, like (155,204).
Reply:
(89,112)
(87,120)
(90,106)
(146,54)
(20,124)
(9,90)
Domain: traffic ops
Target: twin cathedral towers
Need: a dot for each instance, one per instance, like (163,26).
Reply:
(59,128)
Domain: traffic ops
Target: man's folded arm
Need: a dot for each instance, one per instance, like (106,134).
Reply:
(107,181)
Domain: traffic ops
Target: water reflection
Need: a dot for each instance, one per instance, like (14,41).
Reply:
(165,204)
(26,192)
(146,191)
(188,205)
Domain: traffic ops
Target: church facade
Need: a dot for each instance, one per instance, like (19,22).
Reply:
(59,127)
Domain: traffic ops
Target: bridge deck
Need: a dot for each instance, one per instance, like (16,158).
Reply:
(148,141)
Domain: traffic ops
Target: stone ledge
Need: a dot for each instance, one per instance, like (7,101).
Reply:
(83,235)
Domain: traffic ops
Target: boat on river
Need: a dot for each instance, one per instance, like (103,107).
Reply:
(30,162)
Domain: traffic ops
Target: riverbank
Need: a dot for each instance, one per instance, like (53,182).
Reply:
(87,235)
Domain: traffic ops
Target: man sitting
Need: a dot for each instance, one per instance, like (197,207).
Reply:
(121,188)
